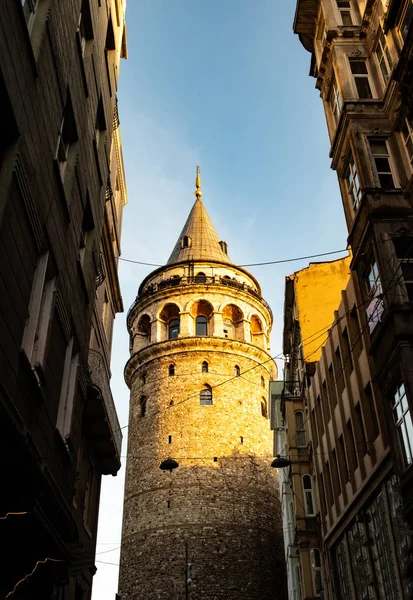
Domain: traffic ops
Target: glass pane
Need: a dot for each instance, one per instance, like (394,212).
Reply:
(358,67)
(409,433)
(382,165)
(363,87)
(386,182)
(346,18)
(201,326)
(384,70)
(378,147)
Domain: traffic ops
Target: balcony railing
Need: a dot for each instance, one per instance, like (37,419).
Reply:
(292,390)
(99,379)
(176,281)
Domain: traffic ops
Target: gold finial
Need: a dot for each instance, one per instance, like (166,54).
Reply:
(198,192)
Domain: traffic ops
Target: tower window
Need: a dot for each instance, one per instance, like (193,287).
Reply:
(186,242)
(201,325)
(262,382)
(143,403)
(174,329)
(205,397)
(237,371)
(264,410)
(200,278)
(171,369)
(224,247)
(205,367)
(143,378)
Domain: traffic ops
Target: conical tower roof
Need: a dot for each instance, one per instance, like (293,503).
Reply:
(198,239)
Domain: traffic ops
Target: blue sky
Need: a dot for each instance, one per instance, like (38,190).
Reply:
(223,85)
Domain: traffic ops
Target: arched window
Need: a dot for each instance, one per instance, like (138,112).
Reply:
(143,378)
(237,371)
(308,496)
(262,382)
(143,403)
(186,241)
(171,369)
(205,367)
(144,327)
(316,568)
(264,410)
(173,329)
(205,397)
(300,430)
(201,325)
(200,278)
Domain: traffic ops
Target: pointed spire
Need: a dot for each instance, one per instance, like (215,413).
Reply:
(198,239)
(198,191)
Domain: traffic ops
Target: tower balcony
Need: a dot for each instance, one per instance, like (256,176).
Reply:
(101,413)
(176,281)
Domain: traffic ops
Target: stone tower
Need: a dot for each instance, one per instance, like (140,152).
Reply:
(199,375)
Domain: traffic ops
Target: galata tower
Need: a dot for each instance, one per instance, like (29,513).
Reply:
(207,524)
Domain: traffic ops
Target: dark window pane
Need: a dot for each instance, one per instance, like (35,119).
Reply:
(358,67)
(382,165)
(346,18)
(363,87)
(386,182)
(174,329)
(201,326)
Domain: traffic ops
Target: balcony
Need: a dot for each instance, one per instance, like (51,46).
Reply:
(100,411)
(181,282)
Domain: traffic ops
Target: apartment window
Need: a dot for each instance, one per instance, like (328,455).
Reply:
(100,126)
(315,557)
(342,459)
(383,56)
(381,162)
(201,325)
(404,253)
(361,433)
(335,99)
(68,390)
(66,142)
(205,397)
(344,8)
(373,281)
(308,496)
(407,135)
(373,429)
(85,30)
(353,184)
(360,73)
(406,20)
(300,430)
(205,367)
(40,311)
(403,421)
(174,329)
(106,314)
(348,353)
(86,236)
(352,446)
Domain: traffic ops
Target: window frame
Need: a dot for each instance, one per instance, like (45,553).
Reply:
(300,432)
(205,367)
(346,10)
(201,324)
(383,55)
(335,99)
(378,156)
(174,325)
(316,571)
(408,140)
(205,396)
(353,184)
(308,494)
(404,431)
(68,391)
(356,76)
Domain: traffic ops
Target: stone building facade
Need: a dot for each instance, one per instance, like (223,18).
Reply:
(362,60)
(199,376)
(62,193)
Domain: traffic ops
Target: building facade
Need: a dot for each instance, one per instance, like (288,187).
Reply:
(199,375)
(62,193)
(361,57)
(306,324)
